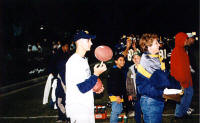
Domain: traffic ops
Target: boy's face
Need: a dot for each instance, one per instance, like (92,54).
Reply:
(189,41)
(154,48)
(120,62)
(134,44)
(136,59)
(65,47)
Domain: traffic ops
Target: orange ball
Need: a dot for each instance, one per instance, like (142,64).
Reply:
(98,85)
(103,53)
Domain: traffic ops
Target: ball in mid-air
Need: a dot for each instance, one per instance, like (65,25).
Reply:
(103,53)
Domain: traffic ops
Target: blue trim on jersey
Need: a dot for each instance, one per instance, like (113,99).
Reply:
(88,84)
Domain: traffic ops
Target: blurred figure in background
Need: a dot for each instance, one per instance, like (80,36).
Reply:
(58,44)
(54,47)
(72,46)
(131,88)
(56,79)
(127,47)
(61,57)
(180,70)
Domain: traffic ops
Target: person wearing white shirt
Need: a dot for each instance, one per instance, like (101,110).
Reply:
(79,81)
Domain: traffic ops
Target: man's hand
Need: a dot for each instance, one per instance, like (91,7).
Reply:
(174,97)
(101,90)
(128,45)
(99,69)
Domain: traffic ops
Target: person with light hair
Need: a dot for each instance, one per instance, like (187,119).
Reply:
(152,79)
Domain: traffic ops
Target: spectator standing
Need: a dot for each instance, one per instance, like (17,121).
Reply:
(72,46)
(29,49)
(152,79)
(39,47)
(133,49)
(128,52)
(131,86)
(54,47)
(57,71)
(34,48)
(58,44)
(124,48)
(180,70)
(61,57)
(116,87)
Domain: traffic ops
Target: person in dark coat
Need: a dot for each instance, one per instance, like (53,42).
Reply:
(116,87)
(61,57)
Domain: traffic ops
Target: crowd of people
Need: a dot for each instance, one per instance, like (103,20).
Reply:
(38,47)
(143,74)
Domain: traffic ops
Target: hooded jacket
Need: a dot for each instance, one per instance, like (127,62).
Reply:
(180,64)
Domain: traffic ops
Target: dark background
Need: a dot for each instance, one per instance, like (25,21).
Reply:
(108,19)
(21,20)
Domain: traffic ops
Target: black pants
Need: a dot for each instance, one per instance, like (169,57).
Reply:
(127,105)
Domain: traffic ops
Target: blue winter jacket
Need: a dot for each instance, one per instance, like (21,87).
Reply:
(153,87)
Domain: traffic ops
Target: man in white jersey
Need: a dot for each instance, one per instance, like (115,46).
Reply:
(79,81)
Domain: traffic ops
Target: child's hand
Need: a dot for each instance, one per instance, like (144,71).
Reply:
(118,99)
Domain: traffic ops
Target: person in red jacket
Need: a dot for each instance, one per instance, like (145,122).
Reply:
(180,70)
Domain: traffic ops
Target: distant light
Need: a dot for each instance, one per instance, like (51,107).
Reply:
(193,33)
(196,38)
(189,35)
(86,32)
(41,27)
(124,36)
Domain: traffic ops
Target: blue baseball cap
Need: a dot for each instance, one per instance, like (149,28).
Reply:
(84,35)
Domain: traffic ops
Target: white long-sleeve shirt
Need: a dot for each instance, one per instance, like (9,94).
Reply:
(77,71)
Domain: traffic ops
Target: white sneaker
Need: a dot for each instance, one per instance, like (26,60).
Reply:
(189,111)
(58,121)
(131,114)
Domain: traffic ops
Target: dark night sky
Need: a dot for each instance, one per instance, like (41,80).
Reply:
(108,19)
